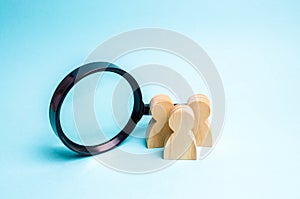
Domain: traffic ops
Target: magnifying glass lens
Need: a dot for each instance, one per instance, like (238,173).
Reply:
(97,108)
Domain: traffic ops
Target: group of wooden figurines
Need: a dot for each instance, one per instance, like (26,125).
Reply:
(179,128)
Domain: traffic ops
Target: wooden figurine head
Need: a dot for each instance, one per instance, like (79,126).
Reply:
(181,115)
(160,107)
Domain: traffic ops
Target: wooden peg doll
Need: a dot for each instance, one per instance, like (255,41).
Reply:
(181,144)
(158,129)
(201,108)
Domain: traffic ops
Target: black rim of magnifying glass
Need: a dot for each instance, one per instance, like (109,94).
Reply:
(139,108)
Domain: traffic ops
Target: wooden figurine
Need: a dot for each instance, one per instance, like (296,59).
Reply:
(158,130)
(181,144)
(201,108)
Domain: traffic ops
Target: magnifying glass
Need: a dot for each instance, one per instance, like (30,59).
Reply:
(139,107)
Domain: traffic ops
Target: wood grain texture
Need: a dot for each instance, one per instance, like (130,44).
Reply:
(158,130)
(181,144)
(202,129)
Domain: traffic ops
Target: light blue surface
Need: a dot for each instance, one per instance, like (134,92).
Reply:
(255,46)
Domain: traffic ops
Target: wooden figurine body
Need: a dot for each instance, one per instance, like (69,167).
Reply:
(181,144)
(201,108)
(158,129)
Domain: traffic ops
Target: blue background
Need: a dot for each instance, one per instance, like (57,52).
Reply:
(255,46)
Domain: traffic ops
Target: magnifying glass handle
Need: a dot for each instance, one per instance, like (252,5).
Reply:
(146,109)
